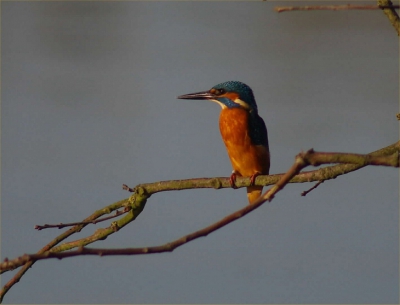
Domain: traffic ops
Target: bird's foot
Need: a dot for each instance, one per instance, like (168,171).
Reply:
(253,178)
(232,180)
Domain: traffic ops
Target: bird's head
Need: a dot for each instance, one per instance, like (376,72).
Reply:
(228,95)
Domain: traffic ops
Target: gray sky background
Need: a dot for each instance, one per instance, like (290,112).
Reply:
(89,103)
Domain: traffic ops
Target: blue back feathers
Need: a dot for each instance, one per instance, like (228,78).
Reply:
(258,130)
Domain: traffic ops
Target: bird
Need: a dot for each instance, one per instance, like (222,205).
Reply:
(242,130)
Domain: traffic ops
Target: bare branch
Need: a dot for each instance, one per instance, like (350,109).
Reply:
(302,160)
(386,5)
(142,192)
(168,247)
(317,158)
(57,240)
(391,13)
(333,7)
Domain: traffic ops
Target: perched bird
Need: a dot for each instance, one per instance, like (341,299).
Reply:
(242,129)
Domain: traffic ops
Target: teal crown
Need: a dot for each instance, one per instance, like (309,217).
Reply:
(244,91)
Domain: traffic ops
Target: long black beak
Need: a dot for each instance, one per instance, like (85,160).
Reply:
(204,95)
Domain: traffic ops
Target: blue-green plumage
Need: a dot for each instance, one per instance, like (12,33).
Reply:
(244,91)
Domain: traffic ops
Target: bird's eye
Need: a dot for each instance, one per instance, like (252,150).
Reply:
(220,91)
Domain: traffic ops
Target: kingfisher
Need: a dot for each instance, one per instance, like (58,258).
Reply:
(243,131)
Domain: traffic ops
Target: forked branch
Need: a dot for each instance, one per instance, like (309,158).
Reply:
(388,156)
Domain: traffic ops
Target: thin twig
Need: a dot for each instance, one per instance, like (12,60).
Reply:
(333,7)
(386,5)
(94,221)
(304,193)
(15,279)
(127,188)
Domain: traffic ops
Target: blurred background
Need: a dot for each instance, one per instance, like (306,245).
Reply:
(89,103)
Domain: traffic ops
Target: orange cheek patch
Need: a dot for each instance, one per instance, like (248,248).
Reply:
(231,95)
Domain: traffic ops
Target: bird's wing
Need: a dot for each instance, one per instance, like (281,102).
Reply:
(258,130)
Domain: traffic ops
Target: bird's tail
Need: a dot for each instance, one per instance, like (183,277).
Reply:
(253,192)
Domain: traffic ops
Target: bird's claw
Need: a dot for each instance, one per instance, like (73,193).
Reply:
(253,178)
(232,180)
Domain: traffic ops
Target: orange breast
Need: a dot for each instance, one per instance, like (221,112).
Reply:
(246,158)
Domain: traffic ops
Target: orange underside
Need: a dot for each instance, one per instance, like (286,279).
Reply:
(246,158)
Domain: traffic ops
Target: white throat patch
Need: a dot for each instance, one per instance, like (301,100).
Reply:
(219,103)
